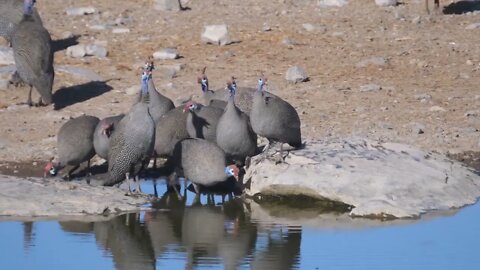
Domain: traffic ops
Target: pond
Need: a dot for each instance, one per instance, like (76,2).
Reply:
(238,234)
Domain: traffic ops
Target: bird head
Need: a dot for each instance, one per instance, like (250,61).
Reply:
(232,170)
(190,106)
(107,129)
(51,168)
(232,86)
(203,80)
(149,64)
(28,7)
(262,81)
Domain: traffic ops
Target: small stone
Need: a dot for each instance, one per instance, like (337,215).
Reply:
(375,61)
(309,27)
(423,97)
(120,30)
(98,27)
(165,54)
(216,34)
(167,5)
(4,84)
(266,27)
(469,62)
(34,163)
(473,26)
(96,50)
(386,3)
(81,11)
(332,3)
(133,90)
(296,74)
(437,109)
(289,42)
(371,87)
(77,51)
(67,34)
(473,113)
(464,76)
(416,20)
(6,56)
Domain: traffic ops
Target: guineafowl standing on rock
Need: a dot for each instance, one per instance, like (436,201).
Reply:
(275,119)
(74,145)
(33,54)
(11,13)
(159,104)
(202,121)
(202,162)
(103,132)
(234,133)
(131,145)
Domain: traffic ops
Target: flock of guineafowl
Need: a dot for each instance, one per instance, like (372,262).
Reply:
(205,144)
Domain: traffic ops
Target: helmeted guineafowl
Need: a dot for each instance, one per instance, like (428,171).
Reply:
(11,13)
(202,121)
(159,104)
(234,133)
(33,55)
(219,98)
(202,162)
(131,145)
(274,118)
(171,129)
(74,145)
(103,132)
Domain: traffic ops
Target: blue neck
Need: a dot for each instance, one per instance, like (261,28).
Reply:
(204,84)
(145,79)
(28,7)
(261,83)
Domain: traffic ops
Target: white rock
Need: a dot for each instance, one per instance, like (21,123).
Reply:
(371,87)
(4,83)
(473,26)
(266,27)
(167,5)
(120,30)
(377,179)
(165,54)
(437,109)
(332,3)
(81,11)
(6,56)
(386,3)
(77,51)
(97,27)
(96,50)
(216,34)
(296,74)
(79,72)
(309,27)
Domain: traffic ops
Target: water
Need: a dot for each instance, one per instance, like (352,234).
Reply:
(241,235)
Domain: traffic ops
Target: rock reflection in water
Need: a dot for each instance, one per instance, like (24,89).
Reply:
(219,236)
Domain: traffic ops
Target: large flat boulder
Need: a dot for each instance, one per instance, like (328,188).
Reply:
(376,179)
(33,197)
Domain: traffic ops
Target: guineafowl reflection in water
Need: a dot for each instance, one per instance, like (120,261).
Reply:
(206,235)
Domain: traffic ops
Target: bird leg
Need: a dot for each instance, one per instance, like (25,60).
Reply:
(155,192)
(138,190)
(88,172)
(29,99)
(127,178)
(171,181)
(197,188)
(68,175)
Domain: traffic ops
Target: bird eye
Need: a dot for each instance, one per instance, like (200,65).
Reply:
(52,172)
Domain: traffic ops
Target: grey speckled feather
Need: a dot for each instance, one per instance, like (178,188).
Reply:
(275,119)
(33,55)
(201,161)
(11,13)
(235,135)
(75,141)
(171,129)
(100,140)
(131,144)
(202,122)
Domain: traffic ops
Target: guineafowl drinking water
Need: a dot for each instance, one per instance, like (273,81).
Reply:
(234,133)
(274,118)
(131,145)
(74,145)
(32,51)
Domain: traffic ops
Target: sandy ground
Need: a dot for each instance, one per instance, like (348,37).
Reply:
(432,55)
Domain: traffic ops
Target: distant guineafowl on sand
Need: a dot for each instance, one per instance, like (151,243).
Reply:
(74,145)
(131,145)
(33,54)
